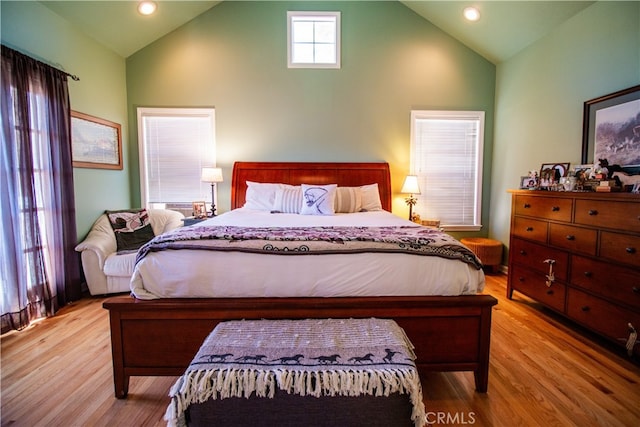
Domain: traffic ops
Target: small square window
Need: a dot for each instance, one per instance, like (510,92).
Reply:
(313,39)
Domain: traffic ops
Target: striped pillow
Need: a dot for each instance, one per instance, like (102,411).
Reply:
(288,200)
(348,199)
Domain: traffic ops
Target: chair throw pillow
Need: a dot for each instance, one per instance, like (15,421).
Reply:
(131,228)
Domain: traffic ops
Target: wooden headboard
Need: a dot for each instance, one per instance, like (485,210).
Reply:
(296,173)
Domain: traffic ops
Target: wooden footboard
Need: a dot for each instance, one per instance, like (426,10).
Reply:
(161,337)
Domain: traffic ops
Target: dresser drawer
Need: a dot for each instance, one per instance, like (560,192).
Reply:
(532,284)
(530,229)
(608,319)
(618,283)
(607,214)
(575,239)
(533,255)
(541,207)
(620,247)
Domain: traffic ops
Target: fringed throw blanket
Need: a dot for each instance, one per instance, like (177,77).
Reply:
(313,240)
(313,357)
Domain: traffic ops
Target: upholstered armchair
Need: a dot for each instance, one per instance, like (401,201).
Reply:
(107,271)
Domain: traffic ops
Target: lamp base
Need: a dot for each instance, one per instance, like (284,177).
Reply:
(213,206)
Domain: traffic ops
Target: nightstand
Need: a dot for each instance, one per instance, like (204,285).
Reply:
(191,220)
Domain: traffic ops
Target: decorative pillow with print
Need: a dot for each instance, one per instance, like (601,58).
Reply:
(131,227)
(318,199)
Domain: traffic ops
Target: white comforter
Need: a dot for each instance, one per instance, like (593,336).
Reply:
(211,274)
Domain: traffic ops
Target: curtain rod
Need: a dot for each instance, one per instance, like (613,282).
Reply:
(72,76)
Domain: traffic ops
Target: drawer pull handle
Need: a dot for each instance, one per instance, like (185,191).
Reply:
(549,291)
(521,279)
(571,237)
(523,252)
(551,277)
(631,250)
(588,274)
(632,339)
(635,290)
(555,208)
(593,212)
(526,206)
(529,228)
(585,308)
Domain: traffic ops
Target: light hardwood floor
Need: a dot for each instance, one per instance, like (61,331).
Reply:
(544,371)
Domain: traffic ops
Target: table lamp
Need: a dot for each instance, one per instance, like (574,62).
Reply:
(212,175)
(411,187)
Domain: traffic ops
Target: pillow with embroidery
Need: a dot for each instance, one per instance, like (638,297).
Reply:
(131,227)
(288,200)
(318,199)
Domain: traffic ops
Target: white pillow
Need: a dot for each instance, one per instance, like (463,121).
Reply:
(260,196)
(288,200)
(348,199)
(318,199)
(371,198)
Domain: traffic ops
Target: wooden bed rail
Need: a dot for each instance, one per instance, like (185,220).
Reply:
(160,337)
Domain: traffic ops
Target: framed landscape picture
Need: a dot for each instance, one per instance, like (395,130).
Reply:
(611,130)
(95,142)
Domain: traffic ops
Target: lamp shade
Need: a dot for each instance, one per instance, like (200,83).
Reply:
(410,185)
(211,175)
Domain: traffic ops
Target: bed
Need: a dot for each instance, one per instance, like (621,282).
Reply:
(156,334)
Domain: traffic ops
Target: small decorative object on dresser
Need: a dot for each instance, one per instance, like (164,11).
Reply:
(529,182)
(550,174)
(578,253)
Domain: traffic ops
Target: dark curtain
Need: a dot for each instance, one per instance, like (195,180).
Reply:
(40,270)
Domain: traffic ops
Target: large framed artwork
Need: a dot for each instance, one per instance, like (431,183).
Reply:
(611,130)
(95,142)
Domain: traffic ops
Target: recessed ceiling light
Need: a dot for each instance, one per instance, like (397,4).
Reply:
(471,13)
(147,7)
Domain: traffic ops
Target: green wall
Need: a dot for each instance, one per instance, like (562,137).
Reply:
(234,58)
(33,29)
(540,95)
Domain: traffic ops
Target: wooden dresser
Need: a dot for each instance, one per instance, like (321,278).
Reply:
(579,254)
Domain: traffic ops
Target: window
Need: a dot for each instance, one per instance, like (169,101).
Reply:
(175,144)
(313,39)
(446,155)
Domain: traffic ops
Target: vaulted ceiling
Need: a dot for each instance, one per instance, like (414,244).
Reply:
(504,28)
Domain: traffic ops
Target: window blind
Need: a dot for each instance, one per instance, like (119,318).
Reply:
(175,144)
(446,155)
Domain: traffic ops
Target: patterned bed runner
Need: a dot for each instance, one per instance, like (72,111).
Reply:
(313,240)
(313,357)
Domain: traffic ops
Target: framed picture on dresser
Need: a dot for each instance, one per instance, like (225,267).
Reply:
(550,173)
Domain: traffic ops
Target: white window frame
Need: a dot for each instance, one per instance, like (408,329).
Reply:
(432,186)
(202,154)
(313,17)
